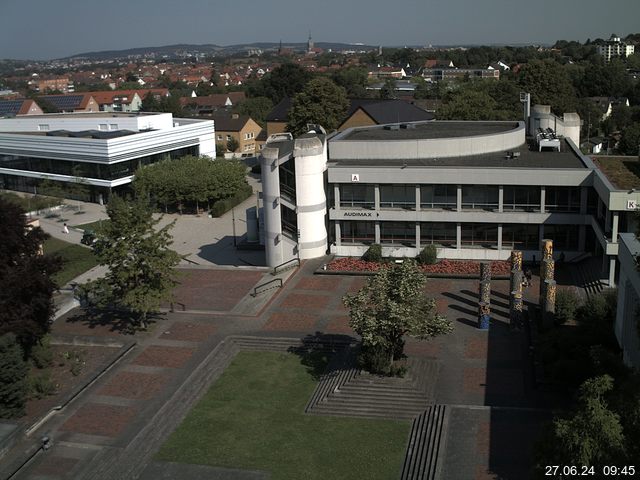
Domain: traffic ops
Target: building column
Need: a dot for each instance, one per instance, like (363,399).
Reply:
(336,196)
(417,198)
(459,198)
(499,237)
(584,196)
(614,228)
(338,234)
(377,232)
(612,271)
(543,195)
(501,199)
(376,197)
(582,237)
(458,236)
(418,235)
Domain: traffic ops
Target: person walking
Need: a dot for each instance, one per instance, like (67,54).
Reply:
(65,229)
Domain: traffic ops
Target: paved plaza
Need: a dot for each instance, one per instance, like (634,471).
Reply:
(113,429)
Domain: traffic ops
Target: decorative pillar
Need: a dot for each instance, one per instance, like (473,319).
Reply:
(549,303)
(336,196)
(338,234)
(501,198)
(458,236)
(547,268)
(515,317)
(376,198)
(515,289)
(516,260)
(484,296)
(459,198)
(499,237)
(418,198)
(543,199)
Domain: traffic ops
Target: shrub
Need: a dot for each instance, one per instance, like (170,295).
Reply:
(428,255)
(13,378)
(41,353)
(373,253)
(222,206)
(566,306)
(42,385)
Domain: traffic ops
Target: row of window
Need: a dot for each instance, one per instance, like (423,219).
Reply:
(520,236)
(100,171)
(474,197)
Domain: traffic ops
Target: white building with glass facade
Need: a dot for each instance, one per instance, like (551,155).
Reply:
(101,149)
(476,190)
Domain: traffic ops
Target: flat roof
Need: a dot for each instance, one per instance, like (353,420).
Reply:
(429,130)
(89,114)
(529,157)
(622,172)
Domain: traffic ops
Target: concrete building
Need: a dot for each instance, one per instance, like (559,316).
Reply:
(103,150)
(476,190)
(615,48)
(241,128)
(627,327)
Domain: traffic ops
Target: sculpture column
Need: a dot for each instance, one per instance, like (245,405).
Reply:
(515,297)
(484,296)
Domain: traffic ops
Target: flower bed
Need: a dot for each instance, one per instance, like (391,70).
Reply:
(443,267)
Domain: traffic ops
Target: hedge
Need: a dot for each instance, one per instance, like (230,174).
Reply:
(220,207)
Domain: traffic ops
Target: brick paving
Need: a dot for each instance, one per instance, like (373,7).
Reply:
(168,357)
(217,290)
(134,385)
(55,466)
(187,331)
(99,419)
(480,369)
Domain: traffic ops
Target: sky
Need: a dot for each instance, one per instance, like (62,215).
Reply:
(45,29)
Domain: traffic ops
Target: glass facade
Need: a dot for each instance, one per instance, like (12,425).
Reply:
(520,236)
(357,196)
(98,171)
(480,197)
(289,222)
(562,199)
(480,235)
(439,197)
(352,232)
(287,173)
(398,233)
(523,199)
(398,196)
(443,234)
(565,237)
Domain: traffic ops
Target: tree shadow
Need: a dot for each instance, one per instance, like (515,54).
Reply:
(318,349)
(112,320)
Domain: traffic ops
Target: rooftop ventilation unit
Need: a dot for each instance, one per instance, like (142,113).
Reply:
(408,126)
(280,137)
(392,127)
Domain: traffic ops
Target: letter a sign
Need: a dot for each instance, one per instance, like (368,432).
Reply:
(355,177)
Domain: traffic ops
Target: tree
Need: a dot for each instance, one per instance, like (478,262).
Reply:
(629,144)
(321,102)
(26,287)
(469,105)
(389,90)
(150,103)
(141,272)
(353,80)
(391,305)
(13,378)
(257,108)
(591,435)
(284,81)
(549,84)
(233,144)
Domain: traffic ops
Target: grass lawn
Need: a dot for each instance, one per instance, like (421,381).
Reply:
(252,418)
(77,259)
(30,203)
(623,172)
(95,226)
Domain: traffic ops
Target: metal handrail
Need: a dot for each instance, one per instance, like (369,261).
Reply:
(275,269)
(255,290)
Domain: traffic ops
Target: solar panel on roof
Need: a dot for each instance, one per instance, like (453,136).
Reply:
(10,107)
(66,102)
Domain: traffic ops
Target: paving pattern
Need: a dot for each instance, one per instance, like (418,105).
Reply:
(115,427)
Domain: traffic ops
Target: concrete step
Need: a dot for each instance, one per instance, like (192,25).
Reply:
(424,449)
(357,392)
(364,412)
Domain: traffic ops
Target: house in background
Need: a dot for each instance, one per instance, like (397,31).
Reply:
(71,103)
(212,103)
(615,48)
(16,108)
(242,128)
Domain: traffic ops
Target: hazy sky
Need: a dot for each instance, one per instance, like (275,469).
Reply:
(45,29)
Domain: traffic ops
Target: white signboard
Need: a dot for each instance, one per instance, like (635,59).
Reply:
(355,177)
(632,205)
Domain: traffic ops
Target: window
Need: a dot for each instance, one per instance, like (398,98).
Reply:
(520,236)
(103,126)
(444,234)
(480,197)
(398,233)
(565,237)
(524,199)
(357,196)
(439,197)
(113,126)
(398,196)
(562,199)
(43,127)
(479,235)
(220,137)
(249,136)
(357,232)
(228,137)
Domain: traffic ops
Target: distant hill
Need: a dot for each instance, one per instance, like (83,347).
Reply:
(172,51)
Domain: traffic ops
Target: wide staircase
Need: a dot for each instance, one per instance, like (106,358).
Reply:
(587,276)
(425,444)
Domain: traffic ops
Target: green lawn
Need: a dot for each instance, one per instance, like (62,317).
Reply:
(30,203)
(252,418)
(77,259)
(95,226)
